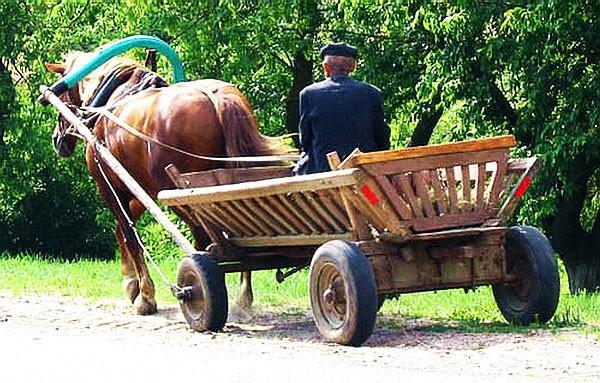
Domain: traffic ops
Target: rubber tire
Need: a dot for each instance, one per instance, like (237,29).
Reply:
(540,305)
(209,310)
(359,288)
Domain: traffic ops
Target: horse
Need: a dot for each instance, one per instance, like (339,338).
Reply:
(206,117)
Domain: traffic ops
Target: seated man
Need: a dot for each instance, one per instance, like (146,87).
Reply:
(339,114)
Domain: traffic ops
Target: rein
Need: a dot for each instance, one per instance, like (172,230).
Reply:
(131,130)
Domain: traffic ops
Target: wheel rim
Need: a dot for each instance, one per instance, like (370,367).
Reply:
(194,304)
(520,289)
(331,296)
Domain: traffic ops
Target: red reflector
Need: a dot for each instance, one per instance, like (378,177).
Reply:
(367,192)
(522,188)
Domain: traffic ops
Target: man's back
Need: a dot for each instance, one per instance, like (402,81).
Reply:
(340,114)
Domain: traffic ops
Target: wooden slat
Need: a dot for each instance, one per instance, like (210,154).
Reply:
(466,183)
(262,188)
(502,142)
(395,199)
(257,211)
(498,183)
(360,230)
(452,197)
(208,211)
(481,177)
(423,193)
(275,214)
(440,196)
(324,213)
(226,176)
(199,216)
(248,213)
(311,214)
(340,215)
(231,223)
(407,190)
(298,227)
(242,219)
(301,217)
(289,240)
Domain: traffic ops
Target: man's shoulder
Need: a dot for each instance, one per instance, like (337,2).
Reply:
(367,87)
(316,87)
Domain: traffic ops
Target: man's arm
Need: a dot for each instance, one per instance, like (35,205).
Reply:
(304,127)
(380,128)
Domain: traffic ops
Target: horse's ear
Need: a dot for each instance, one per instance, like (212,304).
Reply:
(56,68)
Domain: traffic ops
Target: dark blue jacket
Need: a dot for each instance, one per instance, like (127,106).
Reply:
(339,114)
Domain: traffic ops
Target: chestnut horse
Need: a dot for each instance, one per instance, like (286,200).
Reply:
(206,117)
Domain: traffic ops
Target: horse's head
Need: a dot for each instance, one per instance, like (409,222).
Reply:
(62,138)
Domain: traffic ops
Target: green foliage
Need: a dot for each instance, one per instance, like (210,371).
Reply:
(530,68)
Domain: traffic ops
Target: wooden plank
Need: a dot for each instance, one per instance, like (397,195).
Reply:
(376,208)
(465,182)
(395,199)
(297,226)
(310,213)
(326,198)
(498,183)
(308,226)
(230,223)
(257,211)
(360,230)
(434,162)
(289,240)
(324,213)
(440,196)
(242,219)
(423,193)
(261,188)
(450,221)
(407,190)
(481,178)
(452,190)
(274,213)
(217,220)
(198,216)
(333,158)
(455,233)
(501,142)
(265,230)
(518,191)
(226,176)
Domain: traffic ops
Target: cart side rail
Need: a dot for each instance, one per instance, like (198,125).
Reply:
(301,210)
(441,186)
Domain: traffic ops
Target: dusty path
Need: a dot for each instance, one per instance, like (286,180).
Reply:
(51,339)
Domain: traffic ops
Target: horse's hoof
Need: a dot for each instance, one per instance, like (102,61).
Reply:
(245,302)
(144,306)
(132,288)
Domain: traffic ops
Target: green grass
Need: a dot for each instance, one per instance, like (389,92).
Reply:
(453,310)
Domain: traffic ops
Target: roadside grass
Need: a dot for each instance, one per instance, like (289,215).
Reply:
(450,310)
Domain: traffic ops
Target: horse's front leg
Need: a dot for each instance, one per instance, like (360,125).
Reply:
(246,297)
(144,302)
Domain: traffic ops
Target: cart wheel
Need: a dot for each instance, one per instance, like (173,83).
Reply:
(534,292)
(343,294)
(204,306)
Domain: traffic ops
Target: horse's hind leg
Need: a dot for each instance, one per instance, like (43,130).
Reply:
(246,297)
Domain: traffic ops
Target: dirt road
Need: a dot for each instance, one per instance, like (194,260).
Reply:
(53,339)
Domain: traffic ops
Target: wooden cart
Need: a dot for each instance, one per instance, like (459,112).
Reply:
(380,224)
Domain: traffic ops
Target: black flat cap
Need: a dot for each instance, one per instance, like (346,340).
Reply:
(338,49)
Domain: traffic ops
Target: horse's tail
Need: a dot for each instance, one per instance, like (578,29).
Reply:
(240,129)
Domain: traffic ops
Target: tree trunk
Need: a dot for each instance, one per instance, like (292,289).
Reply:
(302,76)
(424,129)
(579,249)
(7,98)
